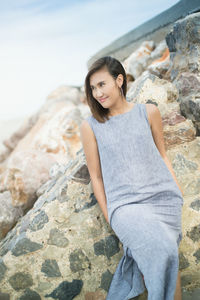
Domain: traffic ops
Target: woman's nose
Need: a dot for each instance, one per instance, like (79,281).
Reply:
(99,93)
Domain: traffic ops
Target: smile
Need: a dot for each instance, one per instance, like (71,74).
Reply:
(102,99)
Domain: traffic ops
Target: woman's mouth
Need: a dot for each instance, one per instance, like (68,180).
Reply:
(103,99)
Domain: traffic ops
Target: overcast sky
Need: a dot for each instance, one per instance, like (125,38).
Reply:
(47,43)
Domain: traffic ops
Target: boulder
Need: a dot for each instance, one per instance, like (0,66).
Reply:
(184,45)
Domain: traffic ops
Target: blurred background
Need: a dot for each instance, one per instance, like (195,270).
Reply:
(45,44)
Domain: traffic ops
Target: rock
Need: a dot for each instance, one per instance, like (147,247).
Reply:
(20,281)
(50,268)
(108,247)
(150,88)
(4,153)
(197,255)
(194,234)
(4,296)
(159,50)
(50,242)
(94,296)
(137,62)
(67,290)
(22,183)
(188,85)
(23,245)
(178,134)
(184,45)
(195,204)
(2,269)
(57,238)
(183,262)
(66,93)
(161,65)
(30,295)
(9,214)
(106,279)
(20,133)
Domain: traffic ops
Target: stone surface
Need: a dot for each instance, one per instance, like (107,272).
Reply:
(183,262)
(184,45)
(57,238)
(8,214)
(49,136)
(3,269)
(67,290)
(30,295)
(107,247)
(50,268)
(4,296)
(194,234)
(78,261)
(195,204)
(23,245)
(20,281)
(106,279)
(138,61)
(39,221)
(94,296)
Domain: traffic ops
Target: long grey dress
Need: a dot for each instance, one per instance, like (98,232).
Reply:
(144,206)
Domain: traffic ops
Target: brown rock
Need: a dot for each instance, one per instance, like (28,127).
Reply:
(94,296)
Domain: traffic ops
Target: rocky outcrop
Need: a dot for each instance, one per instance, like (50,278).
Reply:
(62,248)
(51,239)
(184,45)
(48,137)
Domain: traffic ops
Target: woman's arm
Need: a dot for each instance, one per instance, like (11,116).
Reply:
(155,121)
(93,163)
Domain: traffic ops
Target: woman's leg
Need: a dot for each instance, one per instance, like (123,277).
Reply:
(177,295)
(153,246)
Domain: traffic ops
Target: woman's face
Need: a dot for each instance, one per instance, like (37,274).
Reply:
(104,88)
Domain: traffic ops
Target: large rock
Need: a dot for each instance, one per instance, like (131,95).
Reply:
(138,61)
(13,140)
(158,91)
(184,45)
(50,136)
(26,172)
(46,252)
(67,93)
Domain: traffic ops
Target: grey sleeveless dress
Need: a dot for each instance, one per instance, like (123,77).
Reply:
(144,206)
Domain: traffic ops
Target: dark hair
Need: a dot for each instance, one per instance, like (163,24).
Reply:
(114,67)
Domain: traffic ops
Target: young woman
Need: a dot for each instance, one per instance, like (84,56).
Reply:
(134,184)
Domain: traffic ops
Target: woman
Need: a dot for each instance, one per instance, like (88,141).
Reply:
(134,184)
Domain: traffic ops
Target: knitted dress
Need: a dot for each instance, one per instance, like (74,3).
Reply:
(144,206)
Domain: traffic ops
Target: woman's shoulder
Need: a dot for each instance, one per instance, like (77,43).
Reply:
(151,109)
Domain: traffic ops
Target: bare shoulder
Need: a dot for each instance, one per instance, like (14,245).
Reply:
(84,124)
(90,148)
(87,134)
(152,110)
(85,128)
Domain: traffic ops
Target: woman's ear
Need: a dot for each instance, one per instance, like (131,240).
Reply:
(120,80)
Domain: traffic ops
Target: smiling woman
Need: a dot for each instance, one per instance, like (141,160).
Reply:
(134,185)
(103,85)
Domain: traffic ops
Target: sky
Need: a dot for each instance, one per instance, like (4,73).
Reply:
(46,43)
